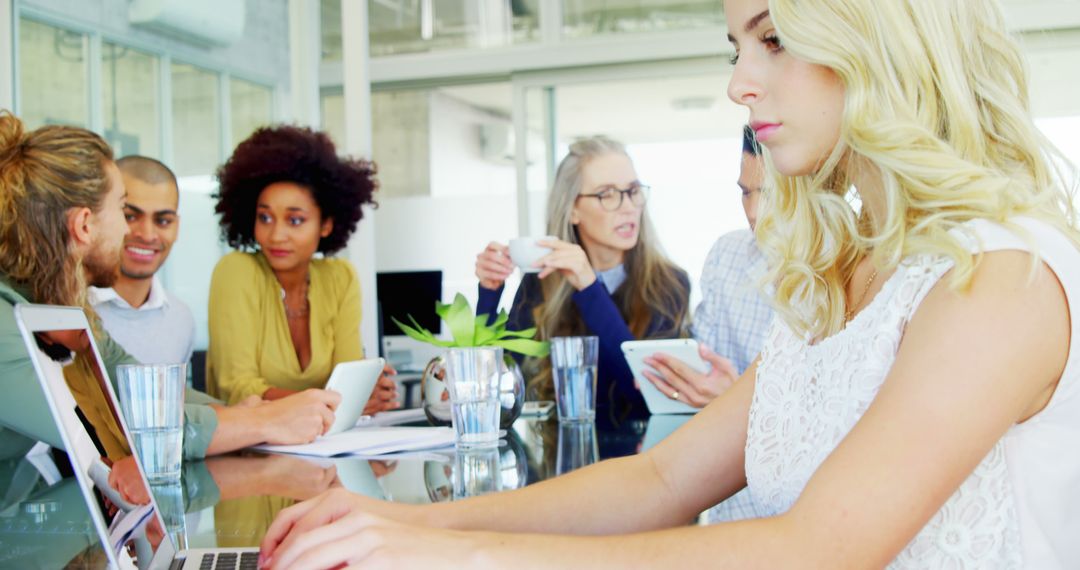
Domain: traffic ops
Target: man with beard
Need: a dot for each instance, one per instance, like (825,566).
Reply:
(149,322)
(61,228)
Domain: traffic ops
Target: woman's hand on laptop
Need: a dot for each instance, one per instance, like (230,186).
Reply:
(385,395)
(364,540)
(677,379)
(289,540)
(299,418)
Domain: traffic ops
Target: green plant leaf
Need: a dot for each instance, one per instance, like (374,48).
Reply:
(419,333)
(483,334)
(526,333)
(441,309)
(459,318)
(468,329)
(528,347)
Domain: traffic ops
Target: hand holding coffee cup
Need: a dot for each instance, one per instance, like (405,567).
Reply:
(493,266)
(569,260)
(526,251)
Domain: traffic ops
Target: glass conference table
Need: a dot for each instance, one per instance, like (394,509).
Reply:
(231,500)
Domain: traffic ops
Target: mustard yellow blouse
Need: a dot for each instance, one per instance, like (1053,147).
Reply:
(251,349)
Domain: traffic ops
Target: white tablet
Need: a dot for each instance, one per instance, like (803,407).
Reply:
(354,381)
(685,349)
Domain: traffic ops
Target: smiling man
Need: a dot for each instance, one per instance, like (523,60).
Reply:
(152,324)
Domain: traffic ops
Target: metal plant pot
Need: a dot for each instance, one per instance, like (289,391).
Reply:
(436,398)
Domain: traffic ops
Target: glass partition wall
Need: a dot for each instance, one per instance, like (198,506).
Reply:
(651,73)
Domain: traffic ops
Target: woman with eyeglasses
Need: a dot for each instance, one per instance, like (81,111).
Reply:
(605,275)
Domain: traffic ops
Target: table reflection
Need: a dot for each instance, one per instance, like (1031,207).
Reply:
(44,522)
(231,500)
(577,446)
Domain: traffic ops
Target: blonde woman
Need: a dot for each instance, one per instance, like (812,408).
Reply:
(917,403)
(605,275)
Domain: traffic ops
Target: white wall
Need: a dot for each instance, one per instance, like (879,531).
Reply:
(694,197)
(472,202)
(458,165)
(446,233)
(191,263)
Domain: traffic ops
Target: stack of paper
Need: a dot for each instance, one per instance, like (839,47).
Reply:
(396,417)
(371,441)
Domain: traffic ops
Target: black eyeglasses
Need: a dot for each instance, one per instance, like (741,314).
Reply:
(611,199)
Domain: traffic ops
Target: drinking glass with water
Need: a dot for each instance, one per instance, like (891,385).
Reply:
(472,376)
(573,369)
(577,446)
(476,472)
(152,401)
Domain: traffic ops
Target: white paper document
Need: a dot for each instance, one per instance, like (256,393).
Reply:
(371,441)
(395,417)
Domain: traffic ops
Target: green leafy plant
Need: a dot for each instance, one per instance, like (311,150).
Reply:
(468,329)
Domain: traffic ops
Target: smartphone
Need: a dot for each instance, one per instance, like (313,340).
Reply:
(537,408)
(685,349)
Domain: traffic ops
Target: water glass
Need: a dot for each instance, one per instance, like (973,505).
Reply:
(472,376)
(476,472)
(573,368)
(577,446)
(170,500)
(152,400)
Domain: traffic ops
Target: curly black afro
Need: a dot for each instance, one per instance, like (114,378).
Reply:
(305,157)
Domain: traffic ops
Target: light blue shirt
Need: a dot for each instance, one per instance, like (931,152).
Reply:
(733,316)
(161,331)
(612,278)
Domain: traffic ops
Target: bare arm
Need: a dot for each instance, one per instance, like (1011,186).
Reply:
(298,418)
(657,489)
(664,483)
(969,368)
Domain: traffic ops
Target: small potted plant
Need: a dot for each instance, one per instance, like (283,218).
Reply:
(468,330)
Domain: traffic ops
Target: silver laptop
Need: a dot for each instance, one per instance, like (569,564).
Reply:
(132,536)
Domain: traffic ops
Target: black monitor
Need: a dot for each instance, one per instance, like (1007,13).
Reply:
(404,293)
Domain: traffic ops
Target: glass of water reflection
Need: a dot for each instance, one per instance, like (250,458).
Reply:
(472,376)
(573,368)
(152,401)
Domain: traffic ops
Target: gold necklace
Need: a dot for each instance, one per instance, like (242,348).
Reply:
(302,311)
(866,289)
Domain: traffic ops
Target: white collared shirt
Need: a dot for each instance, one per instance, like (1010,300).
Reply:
(161,330)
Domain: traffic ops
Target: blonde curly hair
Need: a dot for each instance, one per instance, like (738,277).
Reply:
(936,101)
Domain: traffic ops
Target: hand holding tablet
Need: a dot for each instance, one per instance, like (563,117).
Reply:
(355,382)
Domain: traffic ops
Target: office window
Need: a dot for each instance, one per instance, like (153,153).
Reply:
(53,85)
(330,28)
(447,179)
(196,120)
(251,107)
(587,18)
(130,100)
(412,26)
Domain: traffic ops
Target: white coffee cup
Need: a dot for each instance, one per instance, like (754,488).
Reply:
(524,252)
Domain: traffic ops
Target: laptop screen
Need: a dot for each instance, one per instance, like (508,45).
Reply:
(76,383)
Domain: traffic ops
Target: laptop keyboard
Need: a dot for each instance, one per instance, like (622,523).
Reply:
(230,561)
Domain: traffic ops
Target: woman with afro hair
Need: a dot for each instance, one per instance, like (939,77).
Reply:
(281,317)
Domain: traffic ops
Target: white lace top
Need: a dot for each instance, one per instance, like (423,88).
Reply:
(1020,508)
